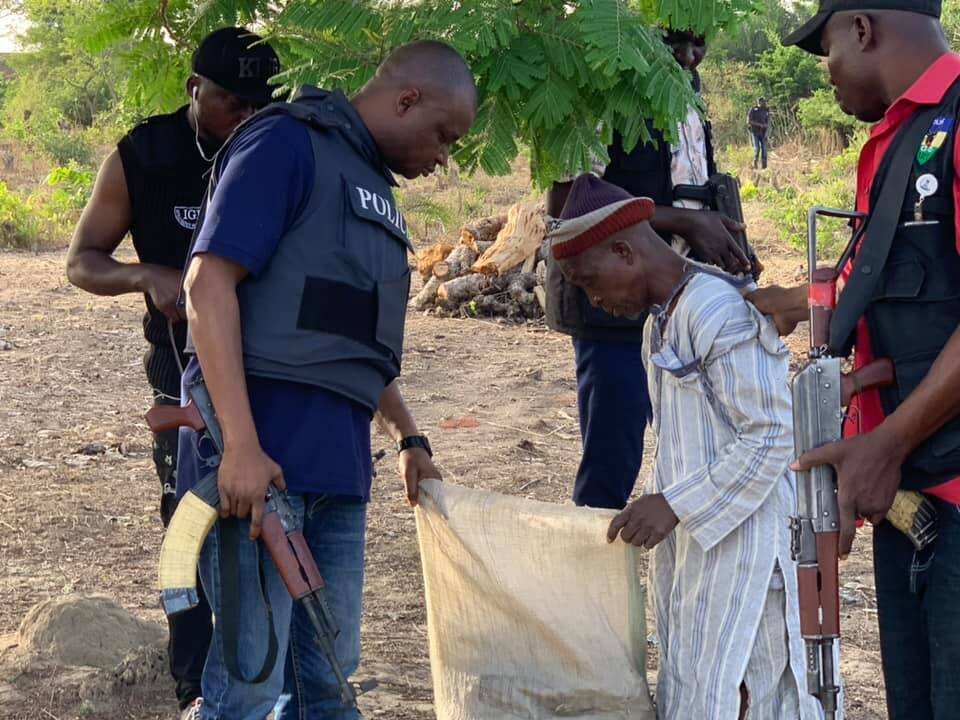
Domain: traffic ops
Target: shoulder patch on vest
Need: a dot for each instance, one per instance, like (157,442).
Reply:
(373,206)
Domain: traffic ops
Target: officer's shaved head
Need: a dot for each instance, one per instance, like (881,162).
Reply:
(421,100)
(431,64)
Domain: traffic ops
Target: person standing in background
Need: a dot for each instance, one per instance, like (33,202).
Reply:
(758,120)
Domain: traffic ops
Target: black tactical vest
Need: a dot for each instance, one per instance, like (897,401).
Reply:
(166,180)
(915,308)
(329,308)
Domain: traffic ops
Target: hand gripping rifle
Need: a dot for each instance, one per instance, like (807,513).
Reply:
(281,533)
(722,194)
(820,392)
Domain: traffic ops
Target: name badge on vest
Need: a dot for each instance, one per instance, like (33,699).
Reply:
(186,217)
(374,207)
(927,186)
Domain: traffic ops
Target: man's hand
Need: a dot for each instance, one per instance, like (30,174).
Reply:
(711,238)
(243,479)
(787,306)
(162,284)
(868,476)
(415,465)
(644,523)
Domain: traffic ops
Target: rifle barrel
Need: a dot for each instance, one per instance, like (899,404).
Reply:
(323,637)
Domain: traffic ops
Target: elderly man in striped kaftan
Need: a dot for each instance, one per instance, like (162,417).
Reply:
(722,580)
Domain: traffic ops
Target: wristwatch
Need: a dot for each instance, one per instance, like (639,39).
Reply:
(415,441)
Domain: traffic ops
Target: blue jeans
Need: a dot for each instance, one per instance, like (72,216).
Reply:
(614,408)
(918,603)
(759,149)
(301,685)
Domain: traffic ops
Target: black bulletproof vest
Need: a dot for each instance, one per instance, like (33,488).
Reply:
(166,180)
(915,308)
(645,170)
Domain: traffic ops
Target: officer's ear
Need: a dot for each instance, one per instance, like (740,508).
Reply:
(863,30)
(408,99)
(193,86)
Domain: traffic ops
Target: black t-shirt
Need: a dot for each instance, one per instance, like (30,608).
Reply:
(166,180)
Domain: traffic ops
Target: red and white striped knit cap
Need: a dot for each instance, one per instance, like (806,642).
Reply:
(595,210)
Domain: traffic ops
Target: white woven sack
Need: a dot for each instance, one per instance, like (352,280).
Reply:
(531,613)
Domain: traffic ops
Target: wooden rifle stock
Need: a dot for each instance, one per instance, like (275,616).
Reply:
(161,418)
(292,556)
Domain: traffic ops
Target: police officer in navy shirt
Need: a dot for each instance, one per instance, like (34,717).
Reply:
(296,299)
(151,186)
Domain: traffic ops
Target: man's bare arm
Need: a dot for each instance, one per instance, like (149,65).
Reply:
(393,415)
(787,306)
(214,315)
(395,419)
(105,221)
(709,233)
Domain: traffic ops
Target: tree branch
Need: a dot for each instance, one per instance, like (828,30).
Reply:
(165,23)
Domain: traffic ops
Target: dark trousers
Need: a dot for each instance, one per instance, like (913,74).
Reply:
(190,632)
(918,602)
(614,408)
(759,149)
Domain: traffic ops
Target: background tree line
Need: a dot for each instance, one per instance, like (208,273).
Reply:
(550,73)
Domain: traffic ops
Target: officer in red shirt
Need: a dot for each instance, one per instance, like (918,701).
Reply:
(890,64)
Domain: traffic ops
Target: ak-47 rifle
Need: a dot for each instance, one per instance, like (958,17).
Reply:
(820,393)
(722,194)
(281,533)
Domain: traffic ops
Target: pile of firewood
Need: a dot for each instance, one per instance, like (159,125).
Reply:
(496,268)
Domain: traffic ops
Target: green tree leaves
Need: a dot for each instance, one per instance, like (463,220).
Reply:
(556,76)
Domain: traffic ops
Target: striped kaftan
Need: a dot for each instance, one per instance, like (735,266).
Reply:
(722,581)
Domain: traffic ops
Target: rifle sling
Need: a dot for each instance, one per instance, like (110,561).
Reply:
(881,228)
(230,537)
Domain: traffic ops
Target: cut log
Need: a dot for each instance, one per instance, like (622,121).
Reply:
(529,264)
(492,305)
(481,246)
(522,283)
(482,231)
(427,295)
(541,295)
(429,257)
(456,264)
(518,240)
(462,289)
(441,271)
(521,292)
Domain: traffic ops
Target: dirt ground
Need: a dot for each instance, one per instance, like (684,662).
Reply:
(72,376)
